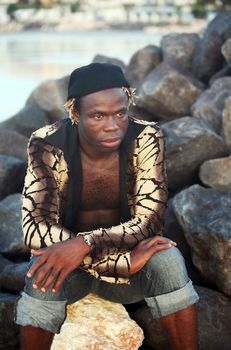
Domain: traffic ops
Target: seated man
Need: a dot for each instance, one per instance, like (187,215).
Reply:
(94,200)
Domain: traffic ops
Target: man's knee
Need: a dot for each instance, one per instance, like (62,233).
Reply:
(167,269)
(172,290)
(48,315)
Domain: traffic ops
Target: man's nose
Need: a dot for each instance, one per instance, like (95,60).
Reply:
(111,124)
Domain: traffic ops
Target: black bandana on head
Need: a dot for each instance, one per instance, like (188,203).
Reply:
(95,77)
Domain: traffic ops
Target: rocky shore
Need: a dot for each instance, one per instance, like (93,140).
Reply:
(185,85)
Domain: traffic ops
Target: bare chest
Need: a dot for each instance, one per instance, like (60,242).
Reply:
(100,188)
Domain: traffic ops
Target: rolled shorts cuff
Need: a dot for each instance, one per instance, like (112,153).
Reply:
(165,304)
(48,315)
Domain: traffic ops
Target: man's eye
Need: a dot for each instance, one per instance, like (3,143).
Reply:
(98,116)
(121,114)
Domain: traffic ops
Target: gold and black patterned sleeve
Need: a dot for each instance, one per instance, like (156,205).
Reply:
(41,198)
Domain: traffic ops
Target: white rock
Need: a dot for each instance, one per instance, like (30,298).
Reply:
(97,324)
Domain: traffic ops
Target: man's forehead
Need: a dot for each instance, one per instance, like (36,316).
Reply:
(113,95)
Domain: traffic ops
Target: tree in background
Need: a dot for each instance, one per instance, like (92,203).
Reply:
(201,7)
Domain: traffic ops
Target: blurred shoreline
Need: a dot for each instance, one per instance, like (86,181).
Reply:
(70,23)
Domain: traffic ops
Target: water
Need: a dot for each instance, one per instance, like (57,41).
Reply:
(28,58)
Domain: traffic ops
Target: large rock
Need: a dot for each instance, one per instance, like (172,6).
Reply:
(168,92)
(141,113)
(27,120)
(205,216)
(111,60)
(179,47)
(210,104)
(12,172)
(50,96)
(97,324)
(11,236)
(12,275)
(213,311)
(216,173)
(189,142)
(142,63)
(226,51)
(213,320)
(224,72)
(226,123)
(13,144)
(9,331)
(208,59)
(174,231)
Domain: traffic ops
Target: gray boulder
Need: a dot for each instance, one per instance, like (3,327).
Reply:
(207,58)
(12,173)
(9,331)
(179,47)
(141,113)
(210,104)
(205,216)
(174,231)
(13,144)
(50,96)
(226,51)
(213,320)
(213,310)
(226,123)
(224,72)
(168,92)
(189,142)
(111,60)
(216,173)
(27,120)
(11,236)
(12,275)
(142,63)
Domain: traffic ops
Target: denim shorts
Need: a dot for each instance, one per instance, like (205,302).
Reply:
(163,283)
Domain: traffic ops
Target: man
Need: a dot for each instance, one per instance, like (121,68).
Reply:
(93,210)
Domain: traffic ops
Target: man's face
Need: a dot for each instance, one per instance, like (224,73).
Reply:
(103,120)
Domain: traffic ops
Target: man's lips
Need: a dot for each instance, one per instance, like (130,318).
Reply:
(112,142)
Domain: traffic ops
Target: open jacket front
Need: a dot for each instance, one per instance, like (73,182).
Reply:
(52,194)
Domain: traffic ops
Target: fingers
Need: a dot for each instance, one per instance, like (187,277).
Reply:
(158,240)
(35,267)
(46,280)
(38,252)
(59,281)
(158,245)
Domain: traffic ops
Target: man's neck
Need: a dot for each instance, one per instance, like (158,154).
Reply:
(95,155)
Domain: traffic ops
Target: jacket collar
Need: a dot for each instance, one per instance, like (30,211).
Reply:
(66,138)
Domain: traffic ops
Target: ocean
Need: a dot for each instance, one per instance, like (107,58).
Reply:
(28,58)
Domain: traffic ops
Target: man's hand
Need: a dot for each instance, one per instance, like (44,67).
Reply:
(57,261)
(145,249)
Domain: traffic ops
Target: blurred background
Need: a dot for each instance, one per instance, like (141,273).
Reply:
(47,39)
(178,55)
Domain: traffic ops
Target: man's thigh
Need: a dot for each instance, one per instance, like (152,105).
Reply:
(47,310)
(165,273)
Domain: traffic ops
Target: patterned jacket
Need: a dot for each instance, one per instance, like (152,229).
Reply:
(52,192)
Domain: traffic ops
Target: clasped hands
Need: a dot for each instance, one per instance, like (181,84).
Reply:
(60,259)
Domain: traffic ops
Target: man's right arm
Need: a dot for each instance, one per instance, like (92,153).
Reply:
(41,198)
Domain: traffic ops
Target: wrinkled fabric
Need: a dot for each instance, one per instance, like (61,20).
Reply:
(47,208)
